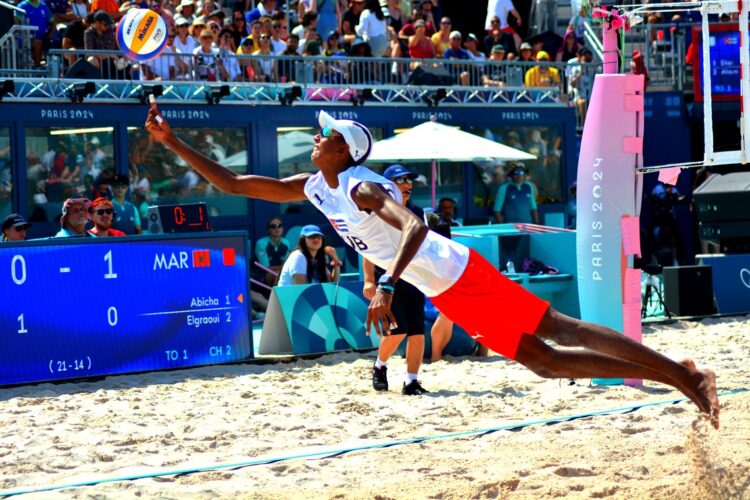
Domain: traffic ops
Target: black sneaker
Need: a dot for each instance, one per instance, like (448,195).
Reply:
(380,378)
(414,388)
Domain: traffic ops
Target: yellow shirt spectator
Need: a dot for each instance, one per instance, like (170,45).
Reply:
(542,76)
(439,45)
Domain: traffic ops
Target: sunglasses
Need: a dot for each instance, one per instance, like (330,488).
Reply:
(314,237)
(327,131)
(275,226)
(20,229)
(264,38)
(495,21)
(239,18)
(403,180)
(102,211)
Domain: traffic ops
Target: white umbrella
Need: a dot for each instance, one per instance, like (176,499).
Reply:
(437,142)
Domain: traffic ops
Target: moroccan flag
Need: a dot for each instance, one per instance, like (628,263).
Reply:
(201,258)
(228,255)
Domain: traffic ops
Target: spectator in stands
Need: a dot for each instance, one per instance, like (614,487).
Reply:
(350,20)
(183,42)
(76,213)
(163,67)
(310,21)
(79,8)
(471,45)
(73,37)
(579,81)
(441,40)
(186,10)
(569,49)
(37,14)
(111,7)
(516,200)
(446,210)
(420,46)
(373,28)
(196,28)
(256,28)
(227,51)
(206,8)
(542,75)
(409,29)
(329,13)
(307,71)
(460,72)
(156,6)
(264,67)
(218,17)
(102,215)
(14,228)
(100,36)
(496,73)
(273,250)
(264,8)
(278,46)
(407,306)
(497,36)
(238,27)
(127,219)
(307,263)
(280,17)
(362,73)
(577,25)
(501,9)
(207,66)
(288,67)
(395,14)
(427,12)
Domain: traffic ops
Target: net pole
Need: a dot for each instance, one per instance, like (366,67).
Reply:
(744,79)
(708,127)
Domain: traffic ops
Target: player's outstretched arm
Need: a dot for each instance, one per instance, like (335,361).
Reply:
(228,181)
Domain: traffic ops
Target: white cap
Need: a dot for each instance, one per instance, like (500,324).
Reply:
(356,135)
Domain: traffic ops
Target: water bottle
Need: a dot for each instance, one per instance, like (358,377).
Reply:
(510,268)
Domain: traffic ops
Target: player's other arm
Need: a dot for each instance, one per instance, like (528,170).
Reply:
(228,181)
(370,196)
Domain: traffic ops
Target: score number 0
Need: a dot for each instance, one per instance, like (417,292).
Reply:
(18,275)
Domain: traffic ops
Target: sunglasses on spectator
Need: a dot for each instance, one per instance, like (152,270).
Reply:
(445,24)
(275,226)
(264,38)
(239,18)
(103,211)
(403,180)
(495,21)
(20,229)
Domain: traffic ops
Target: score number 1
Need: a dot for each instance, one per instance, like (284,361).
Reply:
(112,311)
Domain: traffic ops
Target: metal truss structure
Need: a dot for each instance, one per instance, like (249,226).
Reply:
(50,90)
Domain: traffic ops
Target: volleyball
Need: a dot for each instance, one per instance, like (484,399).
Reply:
(142,34)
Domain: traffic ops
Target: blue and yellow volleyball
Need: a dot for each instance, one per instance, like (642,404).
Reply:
(142,34)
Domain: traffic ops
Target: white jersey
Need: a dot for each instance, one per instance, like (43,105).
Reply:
(438,263)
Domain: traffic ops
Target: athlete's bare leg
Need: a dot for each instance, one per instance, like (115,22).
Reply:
(440,335)
(611,355)
(414,353)
(388,345)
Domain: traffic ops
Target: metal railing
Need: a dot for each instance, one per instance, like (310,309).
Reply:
(15,51)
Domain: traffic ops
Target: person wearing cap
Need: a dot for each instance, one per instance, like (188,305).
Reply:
(471,45)
(102,214)
(126,217)
(407,306)
(308,262)
(420,45)
(101,36)
(441,40)
(366,211)
(516,199)
(14,228)
(197,27)
(496,73)
(183,42)
(542,75)
(460,72)
(186,10)
(76,214)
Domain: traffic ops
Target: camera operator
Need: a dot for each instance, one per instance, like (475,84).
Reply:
(667,240)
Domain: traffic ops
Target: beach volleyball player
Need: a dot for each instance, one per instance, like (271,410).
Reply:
(366,211)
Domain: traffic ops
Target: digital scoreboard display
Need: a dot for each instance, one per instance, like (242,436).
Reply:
(80,307)
(724,49)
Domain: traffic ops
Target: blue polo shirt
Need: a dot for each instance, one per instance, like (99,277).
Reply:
(37,14)
(516,201)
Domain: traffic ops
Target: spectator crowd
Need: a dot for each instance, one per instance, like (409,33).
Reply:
(204,35)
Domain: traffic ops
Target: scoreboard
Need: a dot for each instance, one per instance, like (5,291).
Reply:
(724,50)
(80,307)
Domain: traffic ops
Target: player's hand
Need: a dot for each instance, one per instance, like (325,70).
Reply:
(379,314)
(369,292)
(156,124)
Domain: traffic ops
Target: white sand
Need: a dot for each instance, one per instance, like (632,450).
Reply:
(54,434)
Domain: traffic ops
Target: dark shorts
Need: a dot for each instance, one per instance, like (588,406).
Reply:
(409,314)
(493,309)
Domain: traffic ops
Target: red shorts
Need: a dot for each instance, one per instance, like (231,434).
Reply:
(493,309)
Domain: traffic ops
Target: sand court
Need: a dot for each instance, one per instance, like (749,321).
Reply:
(201,417)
